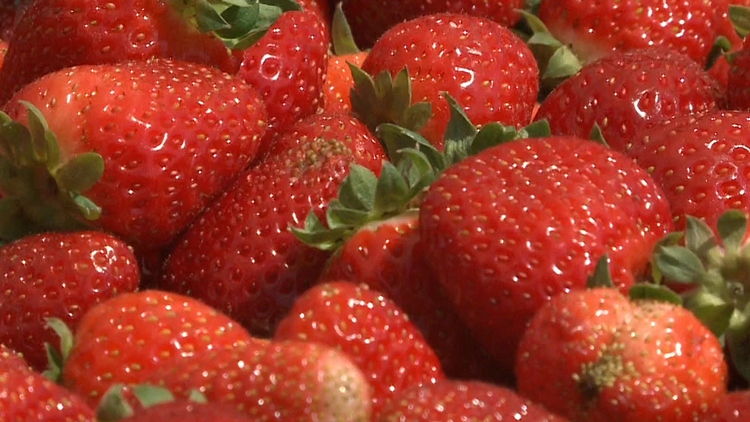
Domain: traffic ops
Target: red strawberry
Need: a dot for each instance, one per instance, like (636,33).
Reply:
(370,19)
(339,80)
(26,395)
(626,91)
(10,13)
(240,256)
(323,10)
(58,275)
(187,411)
(126,338)
(371,330)
(287,68)
(150,143)
(699,162)
(449,400)
(593,355)
(483,65)
(594,30)
(287,381)
(738,82)
(735,407)
(510,227)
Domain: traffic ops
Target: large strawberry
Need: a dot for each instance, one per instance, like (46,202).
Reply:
(518,223)
(485,66)
(150,143)
(126,338)
(58,275)
(594,355)
(371,330)
(240,256)
(628,90)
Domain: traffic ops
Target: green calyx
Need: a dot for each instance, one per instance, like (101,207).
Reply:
(341,34)
(717,267)
(238,23)
(114,406)
(41,190)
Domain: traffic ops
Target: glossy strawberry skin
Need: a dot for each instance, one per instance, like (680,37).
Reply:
(594,30)
(187,411)
(370,19)
(127,338)
(699,161)
(58,275)
(287,67)
(511,227)
(483,65)
(339,82)
(735,406)
(267,267)
(449,400)
(593,355)
(125,30)
(371,330)
(738,81)
(627,91)
(172,138)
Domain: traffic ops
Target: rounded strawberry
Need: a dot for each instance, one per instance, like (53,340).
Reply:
(512,226)
(594,355)
(58,275)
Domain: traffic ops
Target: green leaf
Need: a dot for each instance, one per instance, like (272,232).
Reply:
(38,129)
(208,18)
(537,129)
(699,238)
(562,64)
(357,191)
(601,277)
(670,239)
(711,310)
(732,227)
(13,222)
(341,33)
(87,208)
(391,192)
(80,173)
(113,406)
(679,264)
(597,135)
(340,216)
(460,128)
(738,343)
(740,17)
(657,292)
(151,395)
(56,357)
(396,138)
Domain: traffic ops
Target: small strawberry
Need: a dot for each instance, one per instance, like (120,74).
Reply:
(26,395)
(126,338)
(150,144)
(449,400)
(240,256)
(58,275)
(628,90)
(485,66)
(371,330)
(593,355)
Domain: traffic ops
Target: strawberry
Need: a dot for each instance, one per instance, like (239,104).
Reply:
(738,81)
(623,361)
(628,90)
(126,338)
(698,161)
(371,330)
(150,144)
(370,19)
(485,66)
(187,411)
(339,80)
(735,407)
(287,67)
(239,256)
(10,13)
(595,30)
(449,400)
(58,275)
(287,381)
(26,395)
(514,225)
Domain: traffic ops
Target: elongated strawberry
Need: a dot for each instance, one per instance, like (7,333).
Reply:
(371,330)
(58,275)
(149,143)
(518,223)
(485,66)
(623,361)
(125,339)
(628,90)
(240,256)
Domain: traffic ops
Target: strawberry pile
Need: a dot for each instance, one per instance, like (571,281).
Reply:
(374,211)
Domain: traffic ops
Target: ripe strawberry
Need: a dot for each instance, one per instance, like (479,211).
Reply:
(26,395)
(735,407)
(738,81)
(323,10)
(593,355)
(628,90)
(594,30)
(187,411)
(287,67)
(339,80)
(449,400)
(287,381)
(10,13)
(239,256)
(483,65)
(510,227)
(370,19)
(150,144)
(126,338)
(699,162)
(58,275)
(371,330)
